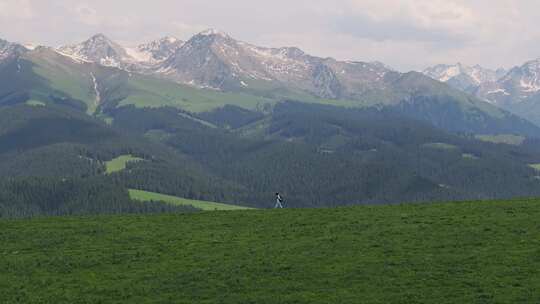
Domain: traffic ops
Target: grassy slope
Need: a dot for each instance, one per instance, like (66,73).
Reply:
(153,92)
(440,146)
(75,80)
(64,76)
(484,252)
(119,163)
(61,75)
(146,196)
(433,88)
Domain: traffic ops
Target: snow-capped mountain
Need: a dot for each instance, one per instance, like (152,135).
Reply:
(100,49)
(159,50)
(465,78)
(514,86)
(213,59)
(10,50)
(498,87)
(516,90)
(523,81)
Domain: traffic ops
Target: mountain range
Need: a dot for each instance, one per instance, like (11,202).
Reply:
(214,60)
(100,49)
(465,78)
(214,118)
(214,63)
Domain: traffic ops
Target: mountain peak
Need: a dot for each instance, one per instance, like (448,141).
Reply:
(97,40)
(99,37)
(97,48)
(10,50)
(213,32)
(210,37)
(169,39)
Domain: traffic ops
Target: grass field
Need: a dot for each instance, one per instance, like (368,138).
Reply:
(469,156)
(508,139)
(478,252)
(535,166)
(153,92)
(440,146)
(146,196)
(119,163)
(35,103)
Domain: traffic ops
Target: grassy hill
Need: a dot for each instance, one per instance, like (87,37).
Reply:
(472,252)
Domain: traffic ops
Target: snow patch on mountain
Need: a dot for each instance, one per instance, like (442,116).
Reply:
(476,75)
(498,91)
(137,55)
(31,46)
(529,85)
(157,51)
(96,89)
(213,32)
(449,73)
(72,57)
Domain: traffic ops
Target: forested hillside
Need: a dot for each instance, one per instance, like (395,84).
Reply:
(325,155)
(53,163)
(315,155)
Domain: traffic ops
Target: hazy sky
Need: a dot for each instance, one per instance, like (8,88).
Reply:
(406,34)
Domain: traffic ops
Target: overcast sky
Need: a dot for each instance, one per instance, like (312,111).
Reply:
(405,34)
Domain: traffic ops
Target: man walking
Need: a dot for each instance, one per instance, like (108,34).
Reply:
(279,201)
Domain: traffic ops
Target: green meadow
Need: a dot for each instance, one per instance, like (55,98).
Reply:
(535,166)
(119,163)
(508,139)
(470,252)
(146,196)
